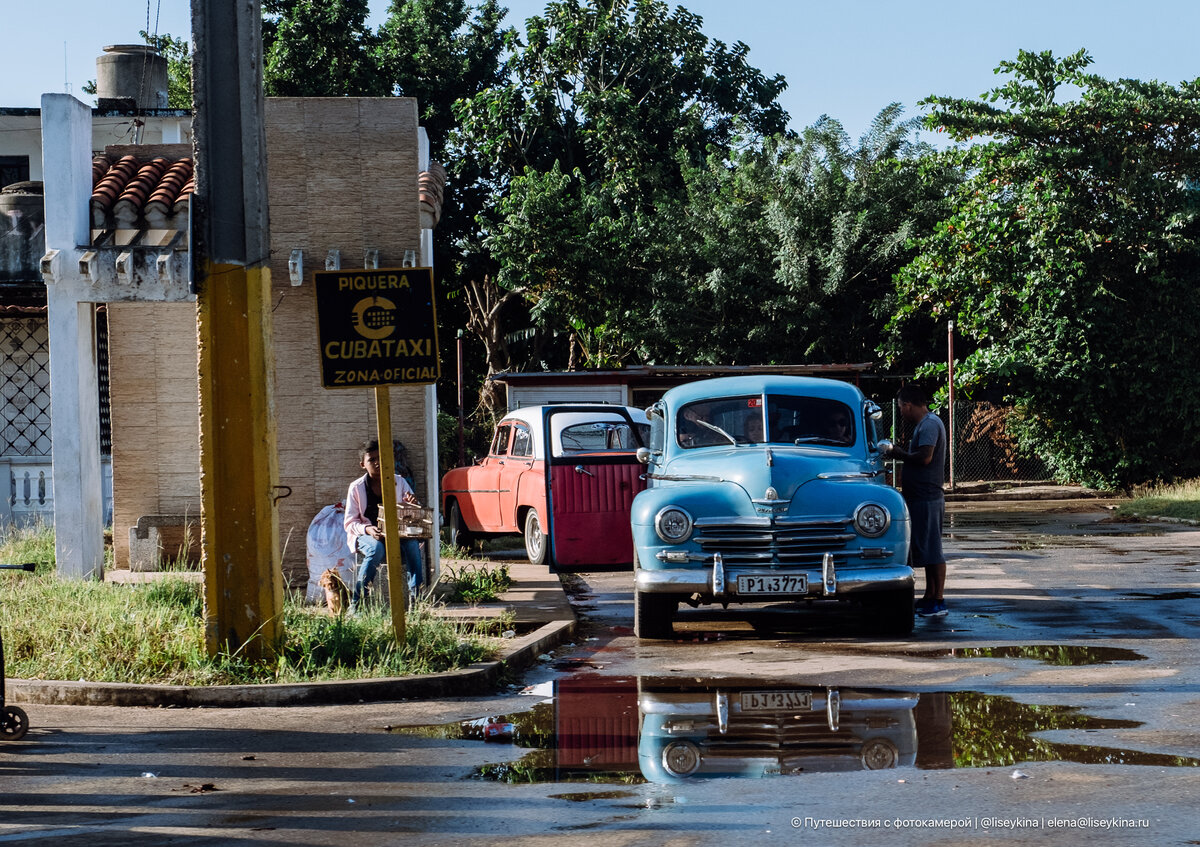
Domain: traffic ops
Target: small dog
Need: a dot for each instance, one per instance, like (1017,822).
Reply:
(337,595)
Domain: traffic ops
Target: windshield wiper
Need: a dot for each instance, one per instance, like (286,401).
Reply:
(717,429)
(821,439)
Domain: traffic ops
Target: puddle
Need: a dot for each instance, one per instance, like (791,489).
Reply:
(1067,655)
(589,796)
(633,730)
(1051,654)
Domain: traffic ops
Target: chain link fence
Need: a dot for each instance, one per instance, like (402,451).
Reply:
(983,448)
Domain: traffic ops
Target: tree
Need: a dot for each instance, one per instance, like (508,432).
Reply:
(320,48)
(179,68)
(786,250)
(440,51)
(1070,264)
(583,146)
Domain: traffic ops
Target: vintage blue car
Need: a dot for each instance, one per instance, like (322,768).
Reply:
(768,488)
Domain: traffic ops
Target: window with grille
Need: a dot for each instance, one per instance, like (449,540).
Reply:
(25,386)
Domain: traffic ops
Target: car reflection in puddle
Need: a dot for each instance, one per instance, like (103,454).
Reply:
(629,730)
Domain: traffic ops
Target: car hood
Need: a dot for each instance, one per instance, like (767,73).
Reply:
(755,469)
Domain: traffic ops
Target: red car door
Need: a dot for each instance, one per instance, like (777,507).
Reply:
(591,491)
(517,463)
(485,480)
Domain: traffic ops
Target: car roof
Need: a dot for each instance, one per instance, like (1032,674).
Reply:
(533,416)
(729,386)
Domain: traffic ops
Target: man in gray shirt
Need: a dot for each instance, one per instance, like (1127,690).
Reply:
(921,484)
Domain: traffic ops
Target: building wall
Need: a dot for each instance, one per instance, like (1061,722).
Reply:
(342,175)
(155,420)
(21,133)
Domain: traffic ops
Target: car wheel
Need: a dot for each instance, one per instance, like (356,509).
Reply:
(537,545)
(653,614)
(457,532)
(891,612)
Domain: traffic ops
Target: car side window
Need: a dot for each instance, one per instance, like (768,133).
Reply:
(500,443)
(522,442)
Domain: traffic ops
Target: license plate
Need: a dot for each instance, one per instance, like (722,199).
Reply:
(769,701)
(773,584)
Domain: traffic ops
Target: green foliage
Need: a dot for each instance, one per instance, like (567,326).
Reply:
(33,543)
(1069,265)
(439,52)
(582,145)
(476,583)
(179,67)
(320,48)
(785,251)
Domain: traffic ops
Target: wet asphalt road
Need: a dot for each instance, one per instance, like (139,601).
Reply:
(1002,746)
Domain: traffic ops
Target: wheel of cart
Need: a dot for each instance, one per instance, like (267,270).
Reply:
(14,723)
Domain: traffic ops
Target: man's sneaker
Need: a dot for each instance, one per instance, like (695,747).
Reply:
(932,609)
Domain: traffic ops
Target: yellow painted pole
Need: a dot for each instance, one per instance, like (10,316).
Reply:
(242,580)
(397,575)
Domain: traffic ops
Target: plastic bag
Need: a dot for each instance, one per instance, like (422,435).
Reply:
(327,548)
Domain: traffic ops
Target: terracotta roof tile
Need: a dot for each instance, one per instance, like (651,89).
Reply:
(132,193)
(431,189)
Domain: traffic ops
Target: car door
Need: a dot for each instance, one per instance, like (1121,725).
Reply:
(591,492)
(486,481)
(517,463)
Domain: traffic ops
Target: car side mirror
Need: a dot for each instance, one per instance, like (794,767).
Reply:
(883,446)
(644,455)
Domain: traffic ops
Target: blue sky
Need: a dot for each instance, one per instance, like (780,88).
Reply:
(847,60)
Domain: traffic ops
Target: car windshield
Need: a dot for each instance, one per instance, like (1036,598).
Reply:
(785,419)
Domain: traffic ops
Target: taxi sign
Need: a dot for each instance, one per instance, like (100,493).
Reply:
(377,327)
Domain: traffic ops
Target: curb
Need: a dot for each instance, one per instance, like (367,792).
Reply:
(1016,495)
(474,679)
(1165,519)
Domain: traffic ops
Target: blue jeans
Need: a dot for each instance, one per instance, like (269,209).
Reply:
(372,551)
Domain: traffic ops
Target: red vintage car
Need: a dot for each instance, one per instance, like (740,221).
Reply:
(571,502)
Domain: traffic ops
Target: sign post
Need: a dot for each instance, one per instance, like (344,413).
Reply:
(377,328)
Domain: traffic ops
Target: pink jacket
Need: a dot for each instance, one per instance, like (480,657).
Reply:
(355,521)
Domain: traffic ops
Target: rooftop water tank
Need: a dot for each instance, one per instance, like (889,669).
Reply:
(132,72)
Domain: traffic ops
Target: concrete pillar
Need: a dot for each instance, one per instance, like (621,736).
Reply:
(74,377)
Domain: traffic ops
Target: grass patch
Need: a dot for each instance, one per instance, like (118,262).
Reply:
(34,543)
(153,632)
(1180,500)
(476,583)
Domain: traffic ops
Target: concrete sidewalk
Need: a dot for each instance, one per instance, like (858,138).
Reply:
(540,609)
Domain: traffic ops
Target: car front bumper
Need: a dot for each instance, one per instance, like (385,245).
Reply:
(715,581)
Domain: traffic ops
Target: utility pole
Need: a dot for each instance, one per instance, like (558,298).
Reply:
(243,587)
(950,396)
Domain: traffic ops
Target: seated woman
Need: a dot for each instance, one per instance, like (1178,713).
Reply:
(363,534)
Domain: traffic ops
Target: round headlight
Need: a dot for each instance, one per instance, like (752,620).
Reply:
(872,520)
(673,525)
(681,758)
(879,754)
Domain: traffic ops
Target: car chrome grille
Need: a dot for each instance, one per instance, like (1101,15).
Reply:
(758,541)
(779,736)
